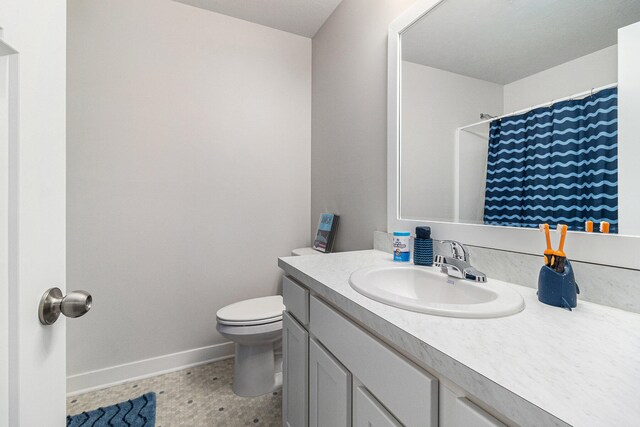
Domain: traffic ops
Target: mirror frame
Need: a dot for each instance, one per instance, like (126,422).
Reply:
(612,249)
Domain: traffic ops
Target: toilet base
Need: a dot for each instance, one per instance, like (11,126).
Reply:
(254,371)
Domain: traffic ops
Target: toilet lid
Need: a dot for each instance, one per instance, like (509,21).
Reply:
(253,311)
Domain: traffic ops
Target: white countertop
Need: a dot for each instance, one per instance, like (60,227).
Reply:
(543,366)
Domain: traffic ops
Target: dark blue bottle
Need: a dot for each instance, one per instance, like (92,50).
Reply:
(423,247)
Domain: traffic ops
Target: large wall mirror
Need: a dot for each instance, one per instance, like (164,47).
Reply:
(508,114)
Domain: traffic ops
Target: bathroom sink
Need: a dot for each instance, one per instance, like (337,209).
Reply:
(427,290)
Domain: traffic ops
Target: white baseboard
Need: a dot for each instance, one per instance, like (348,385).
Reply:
(107,377)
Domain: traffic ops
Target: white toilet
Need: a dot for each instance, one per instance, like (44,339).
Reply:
(255,325)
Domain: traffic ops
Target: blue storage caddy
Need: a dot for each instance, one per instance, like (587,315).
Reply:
(558,289)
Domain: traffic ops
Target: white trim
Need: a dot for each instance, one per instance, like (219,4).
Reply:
(8,80)
(394,82)
(456,177)
(614,250)
(13,289)
(114,375)
(393,117)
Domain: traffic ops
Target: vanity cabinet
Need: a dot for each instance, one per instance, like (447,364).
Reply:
(336,374)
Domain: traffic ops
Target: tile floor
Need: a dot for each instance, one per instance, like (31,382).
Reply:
(196,397)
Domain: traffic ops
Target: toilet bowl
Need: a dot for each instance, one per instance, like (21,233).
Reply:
(255,326)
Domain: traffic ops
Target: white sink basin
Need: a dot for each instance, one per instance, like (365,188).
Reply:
(427,290)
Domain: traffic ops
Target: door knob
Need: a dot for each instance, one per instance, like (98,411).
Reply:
(52,303)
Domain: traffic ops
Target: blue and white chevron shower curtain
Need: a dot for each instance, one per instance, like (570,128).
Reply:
(555,164)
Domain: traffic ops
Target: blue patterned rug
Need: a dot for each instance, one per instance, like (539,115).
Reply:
(138,412)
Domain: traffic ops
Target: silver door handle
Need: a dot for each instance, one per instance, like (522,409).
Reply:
(52,303)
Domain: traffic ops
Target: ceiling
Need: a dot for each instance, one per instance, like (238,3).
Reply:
(303,17)
(502,41)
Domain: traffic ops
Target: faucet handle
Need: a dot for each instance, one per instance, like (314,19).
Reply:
(457,250)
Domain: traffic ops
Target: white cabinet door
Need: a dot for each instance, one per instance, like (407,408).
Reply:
(458,411)
(295,385)
(329,389)
(368,412)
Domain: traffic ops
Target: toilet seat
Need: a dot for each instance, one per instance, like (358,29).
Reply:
(252,312)
(244,331)
(250,322)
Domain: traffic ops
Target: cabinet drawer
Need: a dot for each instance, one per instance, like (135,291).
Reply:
(296,299)
(458,411)
(368,412)
(408,392)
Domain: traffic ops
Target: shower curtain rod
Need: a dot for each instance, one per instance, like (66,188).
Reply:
(546,104)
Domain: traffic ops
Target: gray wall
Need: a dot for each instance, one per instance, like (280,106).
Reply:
(434,104)
(349,119)
(188,171)
(590,71)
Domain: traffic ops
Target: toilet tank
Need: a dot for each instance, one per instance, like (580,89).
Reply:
(305,251)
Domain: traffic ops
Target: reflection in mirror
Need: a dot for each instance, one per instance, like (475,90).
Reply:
(509,114)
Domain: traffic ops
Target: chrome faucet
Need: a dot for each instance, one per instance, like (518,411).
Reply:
(457,265)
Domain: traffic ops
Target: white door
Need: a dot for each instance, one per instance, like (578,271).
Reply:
(32,210)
